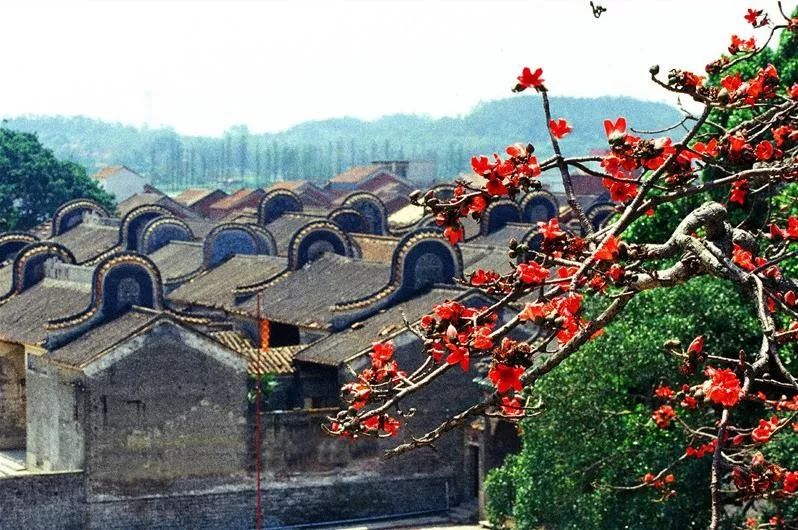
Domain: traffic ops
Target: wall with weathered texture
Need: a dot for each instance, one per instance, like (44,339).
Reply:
(12,396)
(53,501)
(166,416)
(58,501)
(55,418)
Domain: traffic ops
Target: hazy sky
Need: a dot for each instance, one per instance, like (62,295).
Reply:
(202,66)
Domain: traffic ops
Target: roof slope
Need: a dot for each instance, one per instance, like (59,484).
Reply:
(214,288)
(336,348)
(23,316)
(304,297)
(278,360)
(284,227)
(192,196)
(87,241)
(356,174)
(177,258)
(94,342)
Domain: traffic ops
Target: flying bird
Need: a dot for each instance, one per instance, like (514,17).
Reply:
(597,10)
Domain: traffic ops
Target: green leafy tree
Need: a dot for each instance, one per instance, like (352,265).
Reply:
(33,182)
(596,431)
(573,452)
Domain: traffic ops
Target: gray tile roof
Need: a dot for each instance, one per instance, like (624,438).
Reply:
(87,241)
(501,237)
(284,227)
(23,316)
(486,258)
(177,258)
(304,297)
(336,348)
(214,288)
(93,343)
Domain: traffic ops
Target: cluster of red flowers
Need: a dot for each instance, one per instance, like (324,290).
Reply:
(722,387)
(561,313)
(761,477)
(741,45)
(762,433)
(628,156)
(663,485)
(454,331)
(663,416)
(702,450)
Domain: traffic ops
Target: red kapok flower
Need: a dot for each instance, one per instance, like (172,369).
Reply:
(790,483)
(764,150)
(752,16)
(608,251)
(458,355)
(551,230)
(723,388)
(505,377)
(529,79)
(763,432)
(615,130)
(381,353)
(532,273)
(663,416)
(482,339)
(559,128)
(454,234)
(664,392)
(512,407)
(739,190)
(697,345)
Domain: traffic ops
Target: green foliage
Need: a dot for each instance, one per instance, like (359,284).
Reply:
(596,430)
(267,382)
(33,182)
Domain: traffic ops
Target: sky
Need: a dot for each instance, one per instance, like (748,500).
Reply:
(202,66)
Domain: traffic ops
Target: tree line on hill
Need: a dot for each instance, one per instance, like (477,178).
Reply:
(320,149)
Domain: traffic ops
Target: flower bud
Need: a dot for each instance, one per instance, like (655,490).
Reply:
(654,69)
(451,332)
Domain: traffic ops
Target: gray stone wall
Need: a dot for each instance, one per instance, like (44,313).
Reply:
(55,418)
(165,417)
(12,397)
(53,501)
(58,501)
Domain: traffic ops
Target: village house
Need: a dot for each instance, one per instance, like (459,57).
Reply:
(127,346)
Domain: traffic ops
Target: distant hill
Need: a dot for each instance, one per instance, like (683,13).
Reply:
(317,150)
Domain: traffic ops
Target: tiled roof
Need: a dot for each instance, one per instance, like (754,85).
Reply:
(356,174)
(177,258)
(375,248)
(154,197)
(284,227)
(191,196)
(89,346)
(406,216)
(278,360)
(214,288)
(236,198)
(486,258)
(6,277)
(304,297)
(107,171)
(23,316)
(501,237)
(244,215)
(87,241)
(336,348)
